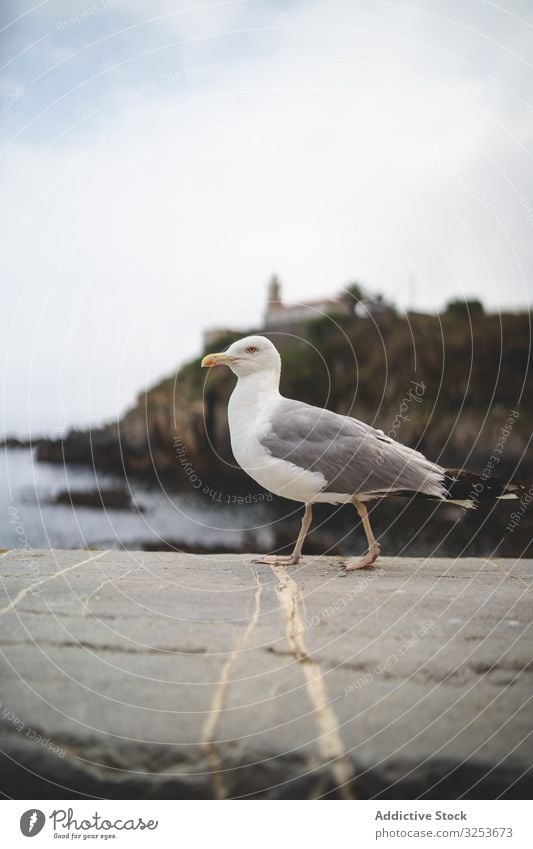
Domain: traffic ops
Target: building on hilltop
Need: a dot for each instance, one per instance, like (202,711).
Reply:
(278,314)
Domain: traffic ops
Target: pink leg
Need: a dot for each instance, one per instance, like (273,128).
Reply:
(293,558)
(374,547)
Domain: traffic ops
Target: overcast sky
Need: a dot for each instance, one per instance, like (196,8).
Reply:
(161,158)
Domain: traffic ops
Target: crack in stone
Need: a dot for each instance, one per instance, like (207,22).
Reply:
(279,652)
(32,611)
(330,746)
(455,677)
(217,704)
(24,592)
(83,644)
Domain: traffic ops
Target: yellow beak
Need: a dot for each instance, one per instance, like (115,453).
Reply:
(216,360)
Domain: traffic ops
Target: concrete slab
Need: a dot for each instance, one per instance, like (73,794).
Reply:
(140,674)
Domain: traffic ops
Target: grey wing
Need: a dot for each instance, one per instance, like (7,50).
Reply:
(352,456)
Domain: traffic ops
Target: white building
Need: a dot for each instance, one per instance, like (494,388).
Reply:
(279,314)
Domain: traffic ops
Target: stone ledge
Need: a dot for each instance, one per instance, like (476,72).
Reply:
(141,674)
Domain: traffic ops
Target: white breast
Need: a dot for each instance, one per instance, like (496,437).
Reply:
(249,420)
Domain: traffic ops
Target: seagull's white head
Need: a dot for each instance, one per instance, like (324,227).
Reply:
(251,355)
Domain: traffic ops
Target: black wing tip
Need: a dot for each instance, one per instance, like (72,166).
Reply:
(464,484)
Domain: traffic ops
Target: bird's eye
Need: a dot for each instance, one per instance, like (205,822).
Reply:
(251,350)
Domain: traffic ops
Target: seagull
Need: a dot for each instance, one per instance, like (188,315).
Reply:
(311,455)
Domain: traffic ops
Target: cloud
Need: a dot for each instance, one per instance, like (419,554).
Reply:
(160,169)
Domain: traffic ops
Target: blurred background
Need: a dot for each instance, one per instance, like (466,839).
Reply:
(353,179)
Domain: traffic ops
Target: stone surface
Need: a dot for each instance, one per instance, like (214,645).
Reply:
(128,674)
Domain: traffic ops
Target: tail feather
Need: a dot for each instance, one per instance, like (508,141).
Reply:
(467,488)
(462,484)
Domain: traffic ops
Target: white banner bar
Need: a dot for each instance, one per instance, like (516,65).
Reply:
(253,825)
